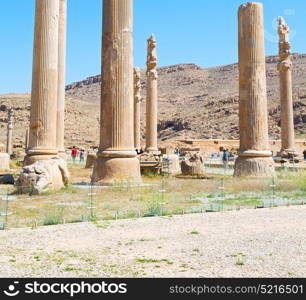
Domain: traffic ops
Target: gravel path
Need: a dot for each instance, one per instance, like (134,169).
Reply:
(247,243)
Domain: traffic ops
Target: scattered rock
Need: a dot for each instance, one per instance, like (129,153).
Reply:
(173,165)
(193,165)
(44,175)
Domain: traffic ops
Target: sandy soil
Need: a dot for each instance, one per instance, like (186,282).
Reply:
(247,243)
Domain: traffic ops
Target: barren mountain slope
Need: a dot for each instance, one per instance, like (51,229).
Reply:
(194,103)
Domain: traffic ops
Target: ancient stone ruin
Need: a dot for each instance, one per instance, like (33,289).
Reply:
(43,175)
(60,124)
(193,165)
(172,164)
(120,129)
(285,74)
(42,166)
(116,158)
(152,97)
(137,101)
(255,157)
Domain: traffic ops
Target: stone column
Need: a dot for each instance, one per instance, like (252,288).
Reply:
(255,157)
(26,142)
(116,158)
(9,140)
(152,98)
(42,138)
(61,78)
(137,101)
(285,72)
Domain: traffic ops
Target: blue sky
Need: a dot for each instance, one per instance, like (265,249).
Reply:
(203,32)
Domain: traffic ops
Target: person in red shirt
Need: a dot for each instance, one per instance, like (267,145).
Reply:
(74,153)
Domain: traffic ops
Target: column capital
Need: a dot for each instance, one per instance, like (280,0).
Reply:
(152,74)
(151,55)
(284,43)
(284,65)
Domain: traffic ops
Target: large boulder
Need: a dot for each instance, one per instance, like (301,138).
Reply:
(4,162)
(150,163)
(43,175)
(171,164)
(193,165)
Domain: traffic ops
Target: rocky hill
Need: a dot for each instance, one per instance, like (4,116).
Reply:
(194,103)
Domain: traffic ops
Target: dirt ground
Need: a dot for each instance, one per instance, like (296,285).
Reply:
(247,243)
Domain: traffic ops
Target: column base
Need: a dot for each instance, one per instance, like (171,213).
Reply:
(32,159)
(287,153)
(154,151)
(114,170)
(62,155)
(256,166)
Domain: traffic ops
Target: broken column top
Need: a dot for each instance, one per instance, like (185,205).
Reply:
(248,4)
(284,44)
(283,29)
(152,55)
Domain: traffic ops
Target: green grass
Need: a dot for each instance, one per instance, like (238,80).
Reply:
(240,200)
(15,164)
(70,269)
(52,219)
(152,174)
(68,189)
(154,209)
(166,197)
(194,232)
(150,260)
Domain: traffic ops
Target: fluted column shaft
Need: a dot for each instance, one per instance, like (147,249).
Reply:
(26,142)
(151,113)
(285,74)
(137,101)
(287,122)
(152,97)
(62,32)
(117,156)
(252,79)
(253,115)
(42,139)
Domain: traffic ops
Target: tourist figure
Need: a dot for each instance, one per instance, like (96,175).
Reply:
(74,153)
(304,153)
(140,151)
(82,155)
(225,158)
